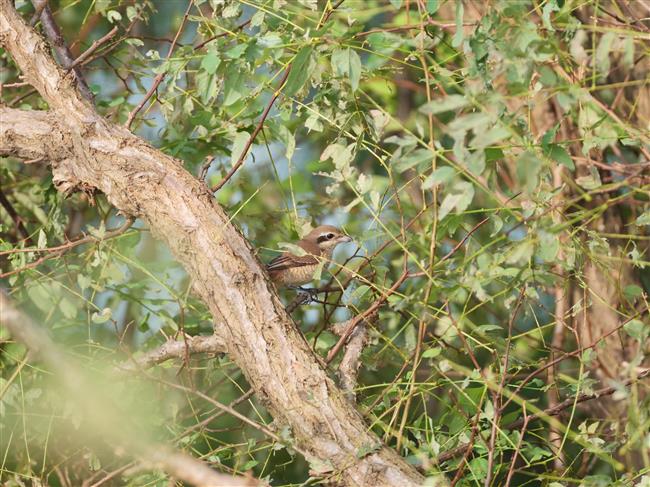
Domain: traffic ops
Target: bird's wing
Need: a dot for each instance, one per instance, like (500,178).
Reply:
(287,261)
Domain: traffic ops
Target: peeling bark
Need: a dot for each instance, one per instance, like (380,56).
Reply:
(258,334)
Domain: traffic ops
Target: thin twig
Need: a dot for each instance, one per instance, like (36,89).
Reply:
(94,46)
(53,33)
(61,249)
(217,36)
(158,79)
(553,411)
(174,349)
(38,10)
(498,395)
(351,361)
(468,450)
(574,353)
(257,130)
(20,226)
(511,470)
(329,13)
(372,309)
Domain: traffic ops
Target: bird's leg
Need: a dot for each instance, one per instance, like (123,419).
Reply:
(309,293)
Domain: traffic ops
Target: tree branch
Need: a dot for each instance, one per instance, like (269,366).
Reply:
(259,335)
(53,33)
(175,349)
(351,361)
(251,139)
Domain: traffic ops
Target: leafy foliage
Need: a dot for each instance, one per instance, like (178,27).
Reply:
(499,154)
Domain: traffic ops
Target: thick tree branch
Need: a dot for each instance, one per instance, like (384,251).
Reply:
(32,135)
(259,335)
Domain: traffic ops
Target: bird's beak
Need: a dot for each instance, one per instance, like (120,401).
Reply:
(344,238)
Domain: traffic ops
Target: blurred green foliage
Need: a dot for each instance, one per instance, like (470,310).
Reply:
(521,127)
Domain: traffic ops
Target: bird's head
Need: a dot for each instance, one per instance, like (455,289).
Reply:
(327,237)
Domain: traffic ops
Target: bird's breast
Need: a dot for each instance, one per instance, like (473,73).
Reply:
(295,276)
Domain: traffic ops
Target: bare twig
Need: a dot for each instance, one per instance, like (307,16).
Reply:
(468,450)
(217,36)
(94,46)
(553,411)
(511,470)
(328,13)
(570,402)
(498,395)
(53,33)
(257,130)
(38,10)
(574,353)
(345,334)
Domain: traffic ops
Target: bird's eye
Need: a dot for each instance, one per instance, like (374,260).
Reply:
(330,236)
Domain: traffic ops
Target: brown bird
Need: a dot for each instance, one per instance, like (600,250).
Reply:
(293,270)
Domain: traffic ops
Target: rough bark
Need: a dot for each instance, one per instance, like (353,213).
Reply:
(259,336)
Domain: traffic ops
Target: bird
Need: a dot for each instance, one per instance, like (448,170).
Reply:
(290,270)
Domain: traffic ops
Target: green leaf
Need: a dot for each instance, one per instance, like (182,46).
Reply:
(241,138)
(528,168)
(299,72)
(457,40)
(346,62)
(210,62)
(354,71)
(236,51)
(592,181)
(432,6)
(644,219)
(83,281)
(441,175)
(550,6)
(451,102)
(431,352)
(490,137)
(471,121)
(416,157)
(233,85)
(68,308)
(637,329)
(113,16)
(459,200)
(42,239)
(602,54)
(560,155)
(131,12)
(549,246)
(101,317)
(632,291)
